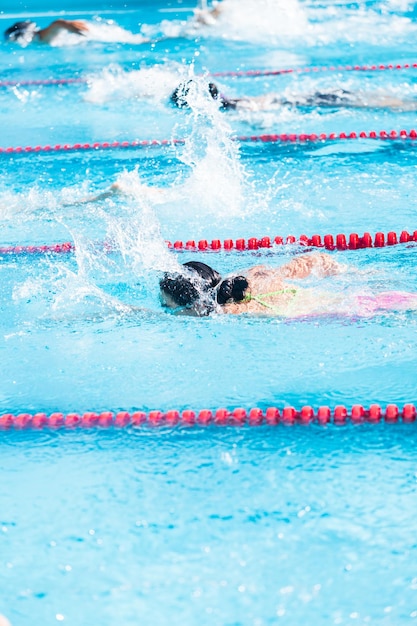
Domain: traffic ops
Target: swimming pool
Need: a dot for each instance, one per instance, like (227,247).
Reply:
(224,525)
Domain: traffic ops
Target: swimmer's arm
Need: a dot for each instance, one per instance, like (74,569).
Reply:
(319,264)
(71,26)
(113,190)
(155,195)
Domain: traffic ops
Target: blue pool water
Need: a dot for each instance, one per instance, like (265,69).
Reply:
(230,526)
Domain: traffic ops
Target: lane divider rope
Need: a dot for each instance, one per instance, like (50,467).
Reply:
(235,73)
(329,242)
(317,69)
(269,138)
(272,416)
(353,242)
(46,82)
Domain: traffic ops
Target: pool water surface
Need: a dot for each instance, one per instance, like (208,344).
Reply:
(231,525)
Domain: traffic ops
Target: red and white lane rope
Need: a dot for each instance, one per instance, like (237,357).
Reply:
(232,73)
(272,416)
(329,242)
(340,242)
(268,138)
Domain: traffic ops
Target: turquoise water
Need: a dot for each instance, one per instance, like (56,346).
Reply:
(230,526)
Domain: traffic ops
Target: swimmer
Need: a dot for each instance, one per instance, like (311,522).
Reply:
(4,621)
(262,291)
(25,32)
(335,98)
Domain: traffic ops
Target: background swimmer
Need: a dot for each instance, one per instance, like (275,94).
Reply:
(25,32)
(333,98)
(263,291)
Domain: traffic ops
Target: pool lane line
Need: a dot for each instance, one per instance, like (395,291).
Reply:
(292,138)
(45,82)
(104,145)
(329,242)
(231,73)
(316,70)
(301,138)
(271,416)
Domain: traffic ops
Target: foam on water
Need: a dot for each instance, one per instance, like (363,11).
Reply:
(212,155)
(155,83)
(15,206)
(275,22)
(263,20)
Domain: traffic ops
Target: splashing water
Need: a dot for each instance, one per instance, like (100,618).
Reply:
(264,19)
(217,174)
(134,254)
(132,232)
(286,22)
(114,83)
(241,20)
(27,206)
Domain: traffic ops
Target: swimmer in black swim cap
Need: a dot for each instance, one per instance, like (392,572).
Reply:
(334,98)
(275,291)
(26,31)
(179,96)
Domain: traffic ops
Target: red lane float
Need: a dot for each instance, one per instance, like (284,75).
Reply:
(55,248)
(233,73)
(272,416)
(267,138)
(329,242)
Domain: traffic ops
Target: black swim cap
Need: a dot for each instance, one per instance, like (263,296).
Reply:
(214,92)
(193,289)
(20,30)
(180,94)
(207,273)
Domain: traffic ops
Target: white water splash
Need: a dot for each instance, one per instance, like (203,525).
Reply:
(20,205)
(114,83)
(287,22)
(216,184)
